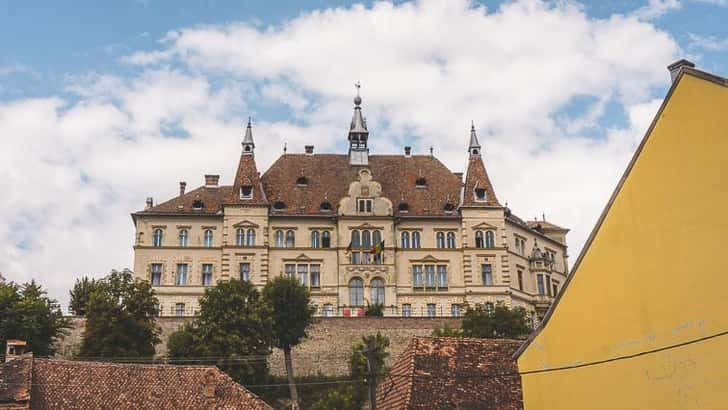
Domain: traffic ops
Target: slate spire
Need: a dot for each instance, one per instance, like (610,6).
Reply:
(248,144)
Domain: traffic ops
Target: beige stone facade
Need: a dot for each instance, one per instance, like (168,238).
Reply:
(446,242)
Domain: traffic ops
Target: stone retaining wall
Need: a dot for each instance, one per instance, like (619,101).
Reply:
(326,350)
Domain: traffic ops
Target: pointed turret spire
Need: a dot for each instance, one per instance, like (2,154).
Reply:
(358,134)
(248,144)
(474,147)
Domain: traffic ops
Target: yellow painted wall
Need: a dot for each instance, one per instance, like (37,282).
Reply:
(652,277)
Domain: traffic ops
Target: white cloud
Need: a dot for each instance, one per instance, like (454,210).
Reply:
(75,170)
(657,8)
(710,43)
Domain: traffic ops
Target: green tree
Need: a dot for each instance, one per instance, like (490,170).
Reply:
(26,313)
(292,314)
(353,397)
(374,310)
(120,318)
(447,331)
(233,331)
(80,294)
(498,322)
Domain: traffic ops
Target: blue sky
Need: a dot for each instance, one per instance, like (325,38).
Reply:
(103,104)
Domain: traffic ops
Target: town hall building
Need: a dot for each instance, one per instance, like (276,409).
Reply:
(402,231)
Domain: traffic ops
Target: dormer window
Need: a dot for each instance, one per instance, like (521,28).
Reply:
(421,183)
(403,207)
(197,205)
(364,205)
(480,194)
(279,205)
(449,207)
(302,181)
(247,148)
(246,192)
(325,206)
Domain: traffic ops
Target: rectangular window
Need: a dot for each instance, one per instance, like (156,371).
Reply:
(181,278)
(455,310)
(328,310)
(548,285)
(179,309)
(245,272)
(520,280)
(487,274)
(355,258)
(430,276)
(315,276)
(290,270)
(555,288)
(206,274)
(417,276)
(406,310)
(539,283)
(431,310)
(156,274)
(441,276)
(364,205)
(303,274)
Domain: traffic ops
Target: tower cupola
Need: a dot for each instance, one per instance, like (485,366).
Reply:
(358,134)
(248,144)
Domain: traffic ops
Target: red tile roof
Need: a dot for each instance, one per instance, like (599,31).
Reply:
(15,383)
(477,177)
(95,385)
(463,373)
(329,176)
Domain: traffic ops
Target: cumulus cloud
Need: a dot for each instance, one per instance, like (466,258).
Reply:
(77,167)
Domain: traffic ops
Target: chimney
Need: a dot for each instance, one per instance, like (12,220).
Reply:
(210,384)
(14,349)
(182,186)
(150,202)
(408,151)
(676,67)
(308,149)
(211,180)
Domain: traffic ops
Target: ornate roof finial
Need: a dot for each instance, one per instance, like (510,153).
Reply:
(357,99)
(285,147)
(474,146)
(248,144)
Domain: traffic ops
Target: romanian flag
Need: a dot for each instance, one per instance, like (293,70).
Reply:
(378,248)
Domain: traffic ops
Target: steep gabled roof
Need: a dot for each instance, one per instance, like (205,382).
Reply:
(477,178)
(443,372)
(247,174)
(94,385)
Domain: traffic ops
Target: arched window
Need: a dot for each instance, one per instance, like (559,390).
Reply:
(479,239)
(315,239)
(302,181)
(290,239)
(279,205)
(489,239)
(240,237)
(377,291)
(325,239)
(451,240)
(415,239)
(325,206)
(376,240)
(403,207)
(279,239)
(208,238)
(405,240)
(157,237)
(355,246)
(183,236)
(421,182)
(366,244)
(251,237)
(356,292)
(440,239)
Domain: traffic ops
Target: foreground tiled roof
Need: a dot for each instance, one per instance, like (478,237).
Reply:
(62,384)
(462,373)
(15,383)
(329,176)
